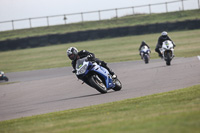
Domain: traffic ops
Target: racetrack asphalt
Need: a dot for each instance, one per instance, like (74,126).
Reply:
(49,90)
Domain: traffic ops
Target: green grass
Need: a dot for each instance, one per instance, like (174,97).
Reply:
(110,50)
(131,20)
(171,112)
(6,83)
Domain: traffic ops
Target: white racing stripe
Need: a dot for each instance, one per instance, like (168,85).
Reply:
(198,57)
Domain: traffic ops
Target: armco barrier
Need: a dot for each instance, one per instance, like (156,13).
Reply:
(53,39)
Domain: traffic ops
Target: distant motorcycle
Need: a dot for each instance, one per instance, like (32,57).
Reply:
(145,54)
(96,76)
(3,76)
(167,51)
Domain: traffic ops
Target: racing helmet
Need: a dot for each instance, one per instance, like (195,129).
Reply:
(72,53)
(143,43)
(164,34)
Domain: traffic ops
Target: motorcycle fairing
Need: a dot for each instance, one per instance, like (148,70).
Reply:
(105,74)
(87,66)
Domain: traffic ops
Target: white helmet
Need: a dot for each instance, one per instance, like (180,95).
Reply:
(72,53)
(164,33)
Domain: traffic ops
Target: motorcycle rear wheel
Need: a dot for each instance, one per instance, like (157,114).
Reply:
(98,84)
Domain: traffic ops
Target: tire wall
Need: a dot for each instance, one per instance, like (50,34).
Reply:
(53,39)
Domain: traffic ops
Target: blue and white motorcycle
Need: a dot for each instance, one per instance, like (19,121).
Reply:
(96,76)
(145,54)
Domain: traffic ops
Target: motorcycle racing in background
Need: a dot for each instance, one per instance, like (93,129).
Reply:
(3,76)
(145,54)
(96,76)
(167,51)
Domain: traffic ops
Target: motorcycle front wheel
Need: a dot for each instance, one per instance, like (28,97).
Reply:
(5,78)
(118,85)
(146,59)
(98,84)
(168,60)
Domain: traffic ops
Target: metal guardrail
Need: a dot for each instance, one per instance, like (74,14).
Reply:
(29,22)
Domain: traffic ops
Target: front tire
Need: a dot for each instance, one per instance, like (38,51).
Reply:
(5,78)
(146,59)
(98,84)
(168,59)
(118,85)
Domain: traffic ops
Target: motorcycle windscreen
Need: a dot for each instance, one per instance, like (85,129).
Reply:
(79,62)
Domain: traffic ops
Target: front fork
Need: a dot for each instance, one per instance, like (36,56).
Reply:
(168,51)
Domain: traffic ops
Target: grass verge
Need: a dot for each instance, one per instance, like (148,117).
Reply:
(6,83)
(110,50)
(175,112)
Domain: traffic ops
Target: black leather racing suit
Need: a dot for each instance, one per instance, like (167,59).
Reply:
(143,44)
(161,39)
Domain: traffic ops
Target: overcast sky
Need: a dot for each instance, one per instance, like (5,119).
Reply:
(20,9)
(24,9)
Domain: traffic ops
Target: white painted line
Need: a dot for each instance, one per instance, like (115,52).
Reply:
(198,57)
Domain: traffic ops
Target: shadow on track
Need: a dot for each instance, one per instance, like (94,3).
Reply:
(74,98)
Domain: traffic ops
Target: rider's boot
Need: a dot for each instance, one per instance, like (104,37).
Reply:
(112,73)
(102,63)
(114,76)
(141,55)
(161,56)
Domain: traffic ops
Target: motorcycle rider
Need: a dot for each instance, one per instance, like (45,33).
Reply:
(164,36)
(3,77)
(74,55)
(143,44)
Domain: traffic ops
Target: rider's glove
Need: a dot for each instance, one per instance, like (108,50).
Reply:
(174,45)
(90,57)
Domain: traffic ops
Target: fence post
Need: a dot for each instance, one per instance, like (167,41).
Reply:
(65,18)
(13,25)
(30,22)
(166,7)
(99,15)
(47,21)
(149,9)
(133,10)
(199,4)
(182,5)
(82,16)
(116,13)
